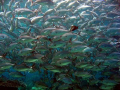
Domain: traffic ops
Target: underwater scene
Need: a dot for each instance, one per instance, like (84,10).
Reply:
(59,44)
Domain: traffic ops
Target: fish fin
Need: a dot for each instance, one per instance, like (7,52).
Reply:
(32,3)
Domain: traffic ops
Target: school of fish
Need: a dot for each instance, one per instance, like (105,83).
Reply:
(60,44)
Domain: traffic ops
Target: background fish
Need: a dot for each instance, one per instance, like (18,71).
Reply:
(60,44)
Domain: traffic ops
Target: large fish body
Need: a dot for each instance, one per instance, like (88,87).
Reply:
(44,2)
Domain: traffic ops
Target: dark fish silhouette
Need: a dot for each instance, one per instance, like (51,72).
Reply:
(116,37)
(73,28)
